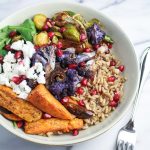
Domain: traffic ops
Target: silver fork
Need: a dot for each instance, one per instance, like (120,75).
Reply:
(127,135)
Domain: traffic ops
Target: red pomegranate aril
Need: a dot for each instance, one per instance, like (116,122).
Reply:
(8,47)
(62,29)
(111,79)
(46,116)
(36,47)
(51,34)
(59,44)
(84,82)
(1,59)
(16,80)
(45,27)
(59,53)
(18,54)
(22,77)
(20,124)
(96,46)
(80,90)
(75,132)
(87,50)
(121,68)
(116,97)
(72,66)
(82,37)
(65,100)
(52,22)
(109,46)
(12,34)
(82,64)
(113,104)
(93,92)
(112,63)
(81,103)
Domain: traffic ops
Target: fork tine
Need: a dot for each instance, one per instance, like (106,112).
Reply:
(132,147)
(119,145)
(128,146)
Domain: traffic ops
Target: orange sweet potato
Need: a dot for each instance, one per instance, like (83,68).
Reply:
(45,101)
(53,125)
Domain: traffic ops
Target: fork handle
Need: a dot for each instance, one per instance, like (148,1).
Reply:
(144,72)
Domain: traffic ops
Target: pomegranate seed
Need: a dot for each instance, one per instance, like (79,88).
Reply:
(46,116)
(18,54)
(87,50)
(81,103)
(16,80)
(59,53)
(113,104)
(52,23)
(65,100)
(45,27)
(121,68)
(75,132)
(22,77)
(96,46)
(51,34)
(59,44)
(112,63)
(116,97)
(72,66)
(111,79)
(80,90)
(94,92)
(20,124)
(82,64)
(12,34)
(84,81)
(8,47)
(1,59)
(109,46)
(36,47)
(62,29)
(82,37)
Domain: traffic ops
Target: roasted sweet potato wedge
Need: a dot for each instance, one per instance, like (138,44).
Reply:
(45,101)
(19,107)
(11,117)
(52,125)
(7,90)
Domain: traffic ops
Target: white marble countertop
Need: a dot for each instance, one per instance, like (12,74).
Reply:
(134,17)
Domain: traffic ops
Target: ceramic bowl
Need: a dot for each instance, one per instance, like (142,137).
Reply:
(123,48)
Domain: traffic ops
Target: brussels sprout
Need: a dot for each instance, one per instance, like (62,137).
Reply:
(79,18)
(55,39)
(70,13)
(55,28)
(91,22)
(39,20)
(41,39)
(108,39)
(71,33)
(58,34)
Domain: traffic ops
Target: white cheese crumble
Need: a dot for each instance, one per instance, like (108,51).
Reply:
(14,68)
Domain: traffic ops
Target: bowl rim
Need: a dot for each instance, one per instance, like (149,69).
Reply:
(39,141)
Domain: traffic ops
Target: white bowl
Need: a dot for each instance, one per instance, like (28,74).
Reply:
(123,48)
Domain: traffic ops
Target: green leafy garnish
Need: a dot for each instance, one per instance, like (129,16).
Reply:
(14,124)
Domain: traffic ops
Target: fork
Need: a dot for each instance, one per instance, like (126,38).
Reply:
(127,135)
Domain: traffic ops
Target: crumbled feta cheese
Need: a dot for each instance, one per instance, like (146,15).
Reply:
(102,49)
(0,68)
(23,95)
(31,73)
(7,67)
(39,67)
(41,79)
(4,80)
(18,45)
(9,58)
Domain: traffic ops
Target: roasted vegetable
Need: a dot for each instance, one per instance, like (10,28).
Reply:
(71,33)
(55,39)
(91,22)
(78,111)
(95,34)
(45,101)
(39,21)
(41,39)
(53,125)
(19,107)
(108,39)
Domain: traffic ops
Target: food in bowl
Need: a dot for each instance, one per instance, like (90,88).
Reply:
(58,74)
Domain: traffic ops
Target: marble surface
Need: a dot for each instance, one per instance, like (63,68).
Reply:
(134,17)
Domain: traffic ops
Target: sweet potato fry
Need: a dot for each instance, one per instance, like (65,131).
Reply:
(12,117)
(53,125)
(45,101)
(19,107)
(7,90)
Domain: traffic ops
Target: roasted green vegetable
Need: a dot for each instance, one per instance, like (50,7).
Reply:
(108,39)
(71,33)
(58,34)
(55,39)
(91,22)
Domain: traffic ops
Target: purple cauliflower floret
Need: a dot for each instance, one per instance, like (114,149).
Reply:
(95,34)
